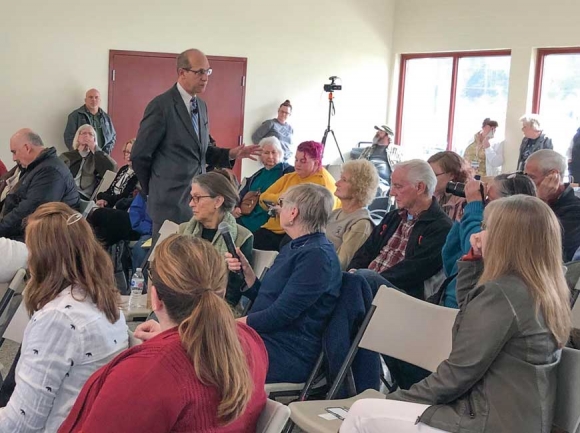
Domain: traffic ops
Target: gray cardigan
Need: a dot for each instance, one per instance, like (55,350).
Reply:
(501,373)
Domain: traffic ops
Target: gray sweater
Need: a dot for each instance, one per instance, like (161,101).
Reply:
(273,128)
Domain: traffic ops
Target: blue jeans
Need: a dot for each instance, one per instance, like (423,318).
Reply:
(375,280)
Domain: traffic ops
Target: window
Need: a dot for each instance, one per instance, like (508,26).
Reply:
(443,99)
(557,94)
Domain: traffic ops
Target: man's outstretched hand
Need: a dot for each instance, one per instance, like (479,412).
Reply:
(252,151)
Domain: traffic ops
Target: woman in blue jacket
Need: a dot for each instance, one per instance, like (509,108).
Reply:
(457,243)
(298,294)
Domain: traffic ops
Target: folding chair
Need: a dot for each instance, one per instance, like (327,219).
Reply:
(273,417)
(7,310)
(576,315)
(397,325)
(335,170)
(567,409)
(105,183)
(261,262)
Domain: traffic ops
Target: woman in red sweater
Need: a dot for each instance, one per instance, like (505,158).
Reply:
(198,371)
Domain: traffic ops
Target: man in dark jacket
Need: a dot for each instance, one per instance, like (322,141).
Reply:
(91,114)
(546,168)
(404,250)
(45,179)
(534,139)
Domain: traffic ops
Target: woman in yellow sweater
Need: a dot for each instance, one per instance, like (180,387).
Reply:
(308,166)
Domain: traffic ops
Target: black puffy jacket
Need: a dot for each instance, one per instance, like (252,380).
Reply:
(46,179)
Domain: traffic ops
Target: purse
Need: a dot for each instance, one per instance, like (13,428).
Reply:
(249,202)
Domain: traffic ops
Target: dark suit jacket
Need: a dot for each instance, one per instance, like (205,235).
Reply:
(168,154)
(543,142)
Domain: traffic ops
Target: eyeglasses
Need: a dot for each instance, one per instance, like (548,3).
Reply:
(483,225)
(195,198)
(87,133)
(285,112)
(280,202)
(126,152)
(200,72)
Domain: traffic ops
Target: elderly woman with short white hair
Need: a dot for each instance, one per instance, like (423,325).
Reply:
(350,226)
(534,138)
(250,214)
(87,162)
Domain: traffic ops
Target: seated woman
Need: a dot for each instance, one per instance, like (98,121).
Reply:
(213,197)
(198,369)
(76,326)
(298,294)
(87,162)
(308,166)
(513,321)
(260,181)
(120,193)
(279,128)
(350,226)
(449,167)
(14,256)
(142,224)
(458,238)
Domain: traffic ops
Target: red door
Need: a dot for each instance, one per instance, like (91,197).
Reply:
(137,77)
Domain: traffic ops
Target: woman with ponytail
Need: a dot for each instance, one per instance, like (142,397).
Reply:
(198,369)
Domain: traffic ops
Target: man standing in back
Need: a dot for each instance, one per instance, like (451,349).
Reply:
(91,113)
(172,145)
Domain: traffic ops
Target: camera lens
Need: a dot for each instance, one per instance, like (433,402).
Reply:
(455,188)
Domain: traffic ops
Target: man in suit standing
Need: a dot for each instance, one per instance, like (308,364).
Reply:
(172,145)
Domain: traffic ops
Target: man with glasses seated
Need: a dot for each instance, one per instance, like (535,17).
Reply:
(172,145)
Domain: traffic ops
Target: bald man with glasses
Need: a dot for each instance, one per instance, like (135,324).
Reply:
(173,143)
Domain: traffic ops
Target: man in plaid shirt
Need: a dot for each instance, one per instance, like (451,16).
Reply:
(404,250)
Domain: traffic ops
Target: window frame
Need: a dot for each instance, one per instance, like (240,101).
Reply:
(541,55)
(455,56)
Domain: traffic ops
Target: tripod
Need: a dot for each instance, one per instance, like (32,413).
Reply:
(331,112)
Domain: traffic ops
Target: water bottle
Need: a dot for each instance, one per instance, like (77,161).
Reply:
(137,282)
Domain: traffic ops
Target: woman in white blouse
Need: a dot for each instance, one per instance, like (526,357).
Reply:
(76,326)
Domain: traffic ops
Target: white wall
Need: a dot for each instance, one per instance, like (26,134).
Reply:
(464,25)
(53,52)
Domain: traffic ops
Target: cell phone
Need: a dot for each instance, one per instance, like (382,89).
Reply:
(339,412)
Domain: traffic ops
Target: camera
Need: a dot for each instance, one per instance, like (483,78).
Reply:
(332,86)
(455,188)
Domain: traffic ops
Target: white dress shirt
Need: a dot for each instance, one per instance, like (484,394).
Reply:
(64,343)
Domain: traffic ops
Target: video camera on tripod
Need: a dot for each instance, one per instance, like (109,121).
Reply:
(332,86)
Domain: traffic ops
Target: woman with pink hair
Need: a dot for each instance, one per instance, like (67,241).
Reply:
(309,169)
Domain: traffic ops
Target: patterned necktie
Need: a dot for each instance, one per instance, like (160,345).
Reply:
(195,116)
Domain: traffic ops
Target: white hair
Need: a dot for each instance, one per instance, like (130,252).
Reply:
(419,171)
(532,120)
(314,204)
(275,143)
(75,144)
(549,160)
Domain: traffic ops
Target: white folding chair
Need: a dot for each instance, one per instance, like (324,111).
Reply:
(167,229)
(576,315)
(261,260)
(567,409)
(105,183)
(273,417)
(397,325)
(335,170)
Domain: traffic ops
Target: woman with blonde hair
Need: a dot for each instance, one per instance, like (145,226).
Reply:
(513,321)
(198,369)
(76,326)
(350,226)
(87,162)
